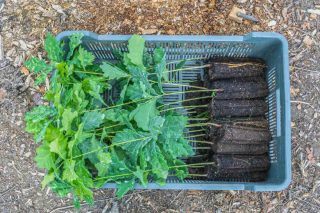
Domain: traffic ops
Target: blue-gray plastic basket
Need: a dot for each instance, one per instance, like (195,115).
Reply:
(269,46)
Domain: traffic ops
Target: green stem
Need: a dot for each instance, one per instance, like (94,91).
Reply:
(189,59)
(149,170)
(184,107)
(197,175)
(194,136)
(204,142)
(203,124)
(198,119)
(182,85)
(200,148)
(185,100)
(87,72)
(182,69)
(197,130)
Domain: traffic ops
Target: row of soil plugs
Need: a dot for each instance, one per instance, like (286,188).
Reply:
(239,146)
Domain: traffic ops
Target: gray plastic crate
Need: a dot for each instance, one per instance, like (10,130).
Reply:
(269,46)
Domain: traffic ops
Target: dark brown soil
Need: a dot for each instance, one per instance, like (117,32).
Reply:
(241,163)
(227,69)
(220,147)
(241,134)
(239,176)
(237,108)
(239,88)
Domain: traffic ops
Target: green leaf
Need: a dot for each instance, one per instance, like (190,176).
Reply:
(104,163)
(181,171)
(83,192)
(47,179)
(53,48)
(132,142)
(83,173)
(60,187)
(143,113)
(79,137)
(67,118)
(137,91)
(68,171)
(140,76)
(136,48)
(92,120)
(59,146)
(118,115)
(155,125)
(124,186)
(40,68)
(142,176)
(44,158)
(95,86)
(85,58)
(74,42)
(172,136)
(153,155)
(180,64)
(159,57)
(113,72)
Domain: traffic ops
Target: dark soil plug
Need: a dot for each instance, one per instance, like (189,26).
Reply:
(237,108)
(238,176)
(225,70)
(241,163)
(244,88)
(240,134)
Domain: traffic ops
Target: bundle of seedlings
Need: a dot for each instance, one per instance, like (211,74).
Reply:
(239,146)
(107,122)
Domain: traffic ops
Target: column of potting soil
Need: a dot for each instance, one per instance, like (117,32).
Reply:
(240,146)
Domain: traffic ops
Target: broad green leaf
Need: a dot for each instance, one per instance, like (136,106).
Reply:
(142,176)
(37,65)
(53,48)
(59,146)
(83,192)
(118,115)
(68,116)
(160,65)
(85,58)
(137,91)
(143,113)
(47,179)
(60,187)
(132,142)
(92,120)
(95,86)
(155,125)
(181,171)
(44,158)
(124,186)
(136,48)
(104,163)
(69,173)
(40,68)
(172,136)
(74,42)
(83,173)
(153,155)
(140,76)
(79,137)
(112,72)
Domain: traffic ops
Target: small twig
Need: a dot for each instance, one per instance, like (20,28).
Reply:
(302,102)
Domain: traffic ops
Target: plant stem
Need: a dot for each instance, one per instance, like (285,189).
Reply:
(197,175)
(203,124)
(194,136)
(185,100)
(157,96)
(198,119)
(189,59)
(197,130)
(200,148)
(112,145)
(149,170)
(184,107)
(204,142)
(185,85)
(87,72)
